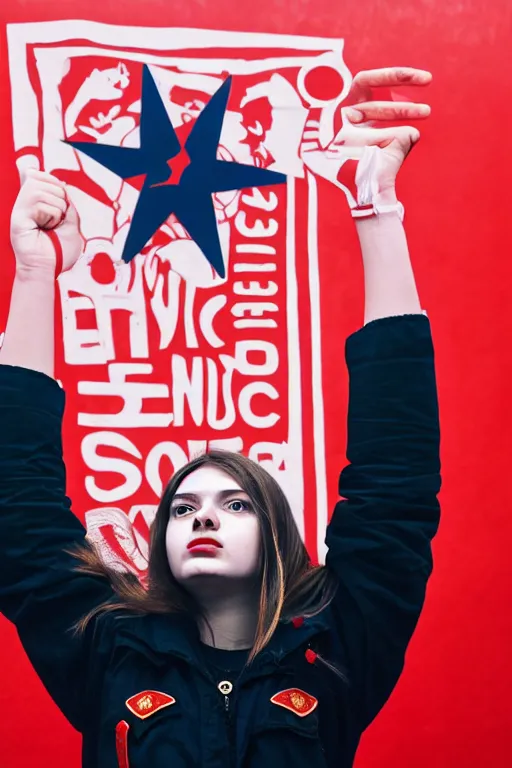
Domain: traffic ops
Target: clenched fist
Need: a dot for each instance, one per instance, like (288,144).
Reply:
(44,225)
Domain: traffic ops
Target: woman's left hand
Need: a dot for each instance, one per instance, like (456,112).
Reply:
(381,150)
(361,110)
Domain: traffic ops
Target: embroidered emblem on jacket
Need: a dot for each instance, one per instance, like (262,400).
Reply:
(297,701)
(146,703)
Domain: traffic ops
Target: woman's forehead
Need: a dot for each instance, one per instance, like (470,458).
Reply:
(208,479)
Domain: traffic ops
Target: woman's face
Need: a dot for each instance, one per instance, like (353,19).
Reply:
(213,531)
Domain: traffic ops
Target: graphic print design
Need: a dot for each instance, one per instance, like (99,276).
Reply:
(179,179)
(164,357)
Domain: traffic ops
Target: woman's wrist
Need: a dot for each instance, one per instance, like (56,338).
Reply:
(29,335)
(42,274)
(380,230)
(386,196)
(390,288)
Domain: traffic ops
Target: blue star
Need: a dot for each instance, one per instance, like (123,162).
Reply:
(178,180)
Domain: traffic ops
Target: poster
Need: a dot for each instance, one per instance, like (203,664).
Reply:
(163,359)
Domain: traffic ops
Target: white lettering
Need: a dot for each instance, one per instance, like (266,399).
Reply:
(255,289)
(189,387)
(244,404)
(131,474)
(166,309)
(259,229)
(242,267)
(212,417)
(132,392)
(207,316)
(174,453)
(267,368)
(256,199)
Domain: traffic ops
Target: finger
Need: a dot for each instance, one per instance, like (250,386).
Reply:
(373,78)
(47,188)
(406,135)
(53,200)
(386,110)
(32,173)
(47,216)
(26,165)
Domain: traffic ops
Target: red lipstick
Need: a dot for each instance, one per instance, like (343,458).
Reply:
(204,544)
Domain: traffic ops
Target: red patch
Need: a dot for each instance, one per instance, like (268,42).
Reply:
(177,165)
(324,83)
(347,176)
(297,701)
(146,703)
(122,729)
(58,250)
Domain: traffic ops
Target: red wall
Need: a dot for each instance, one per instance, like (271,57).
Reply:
(451,707)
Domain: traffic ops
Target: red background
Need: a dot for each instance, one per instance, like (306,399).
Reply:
(451,707)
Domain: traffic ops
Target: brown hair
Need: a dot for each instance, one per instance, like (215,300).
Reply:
(290,584)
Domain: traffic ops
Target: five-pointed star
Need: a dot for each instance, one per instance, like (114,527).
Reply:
(178,180)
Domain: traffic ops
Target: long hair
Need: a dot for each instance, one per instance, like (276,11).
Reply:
(290,585)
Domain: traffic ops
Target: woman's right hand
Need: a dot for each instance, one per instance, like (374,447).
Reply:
(42,212)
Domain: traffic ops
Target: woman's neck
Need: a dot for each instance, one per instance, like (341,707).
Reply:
(232,619)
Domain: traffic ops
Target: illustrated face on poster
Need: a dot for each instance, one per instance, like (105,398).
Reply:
(163,357)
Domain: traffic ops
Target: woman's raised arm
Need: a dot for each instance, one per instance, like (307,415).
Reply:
(40,592)
(379,538)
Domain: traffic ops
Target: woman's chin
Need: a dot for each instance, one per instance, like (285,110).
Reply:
(203,566)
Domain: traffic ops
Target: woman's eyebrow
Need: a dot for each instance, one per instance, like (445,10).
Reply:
(197,497)
(231,492)
(181,496)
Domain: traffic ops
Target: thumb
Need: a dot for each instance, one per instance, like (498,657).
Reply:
(25,164)
(405,136)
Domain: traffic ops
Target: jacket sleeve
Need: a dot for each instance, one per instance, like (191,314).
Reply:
(379,538)
(39,590)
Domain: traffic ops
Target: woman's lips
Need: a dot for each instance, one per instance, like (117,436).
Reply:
(204,545)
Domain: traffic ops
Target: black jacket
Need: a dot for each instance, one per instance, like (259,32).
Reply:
(379,547)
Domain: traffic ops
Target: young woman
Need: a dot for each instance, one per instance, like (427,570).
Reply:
(239,652)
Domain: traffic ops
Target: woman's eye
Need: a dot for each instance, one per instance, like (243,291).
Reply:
(238,505)
(181,509)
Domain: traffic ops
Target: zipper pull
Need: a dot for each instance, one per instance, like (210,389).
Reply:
(225,687)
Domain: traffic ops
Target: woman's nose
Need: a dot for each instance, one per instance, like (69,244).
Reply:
(206,517)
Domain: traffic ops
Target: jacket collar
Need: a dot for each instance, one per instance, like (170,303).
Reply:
(158,636)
